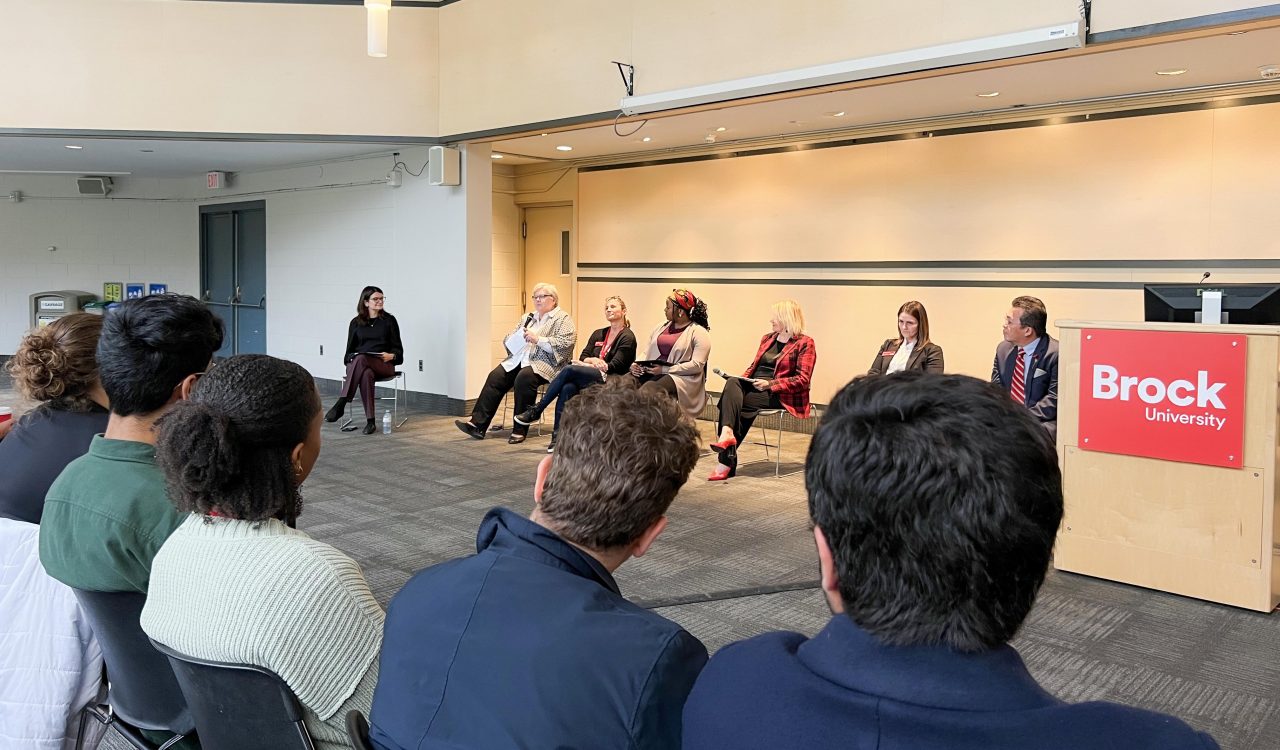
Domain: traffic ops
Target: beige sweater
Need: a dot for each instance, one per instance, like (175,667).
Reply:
(276,598)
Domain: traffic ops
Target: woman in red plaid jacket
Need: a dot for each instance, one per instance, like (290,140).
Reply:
(778,378)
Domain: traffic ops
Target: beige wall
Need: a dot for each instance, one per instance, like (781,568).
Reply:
(505,63)
(506,259)
(1109,15)
(1182,187)
(215,67)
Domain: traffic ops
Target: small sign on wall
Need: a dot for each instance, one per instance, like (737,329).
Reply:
(157,289)
(134,290)
(112,291)
(1162,394)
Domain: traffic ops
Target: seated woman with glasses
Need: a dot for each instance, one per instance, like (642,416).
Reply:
(778,378)
(233,583)
(373,352)
(609,351)
(538,349)
(912,349)
(675,360)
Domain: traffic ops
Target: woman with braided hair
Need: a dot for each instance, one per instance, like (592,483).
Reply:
(56,366)
(234,583)
(675,361)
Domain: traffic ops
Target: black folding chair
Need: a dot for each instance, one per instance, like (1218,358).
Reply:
(239,706)
(142,692)
(358,731)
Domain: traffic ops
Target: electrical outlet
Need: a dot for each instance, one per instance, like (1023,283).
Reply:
(419,365)
(322,350)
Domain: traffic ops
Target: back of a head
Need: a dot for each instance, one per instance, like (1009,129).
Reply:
(149,345)
(940,499)
(57,364)
(228,447)
(621,456)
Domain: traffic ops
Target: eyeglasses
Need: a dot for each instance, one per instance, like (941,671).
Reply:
(543,296)
(377,299)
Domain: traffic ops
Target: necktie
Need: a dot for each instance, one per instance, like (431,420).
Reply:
(1017,389)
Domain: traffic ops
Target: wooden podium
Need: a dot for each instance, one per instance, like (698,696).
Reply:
(1203,531)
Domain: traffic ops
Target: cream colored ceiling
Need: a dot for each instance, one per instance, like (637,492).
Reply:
(1090,81)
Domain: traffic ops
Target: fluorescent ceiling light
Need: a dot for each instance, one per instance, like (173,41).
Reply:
(564,148)
(1047,39)
(495,156)
(74,148)
(1171,72)
(989,94)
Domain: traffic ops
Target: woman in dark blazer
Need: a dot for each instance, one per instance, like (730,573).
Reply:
(912,350)
(778,378)
(373,351)
(609,351)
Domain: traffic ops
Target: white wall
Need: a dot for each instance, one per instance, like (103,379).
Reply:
(130,236)
(324,245)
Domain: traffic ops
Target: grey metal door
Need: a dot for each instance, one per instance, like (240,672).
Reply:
(233,273)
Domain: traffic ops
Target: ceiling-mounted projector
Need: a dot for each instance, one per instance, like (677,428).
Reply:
(999,47)
(96,186)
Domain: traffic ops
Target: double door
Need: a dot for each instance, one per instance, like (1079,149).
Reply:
(233,273)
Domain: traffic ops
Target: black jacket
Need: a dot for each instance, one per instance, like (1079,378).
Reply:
(927,358)
(621,354)
(380,334)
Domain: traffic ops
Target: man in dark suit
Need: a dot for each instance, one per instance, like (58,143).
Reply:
(529,643)
(935,501)
(1026,362)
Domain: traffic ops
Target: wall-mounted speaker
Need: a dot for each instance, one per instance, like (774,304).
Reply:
(96,186)
(444,166)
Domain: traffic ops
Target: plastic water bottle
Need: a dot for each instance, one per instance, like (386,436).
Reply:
(386,422)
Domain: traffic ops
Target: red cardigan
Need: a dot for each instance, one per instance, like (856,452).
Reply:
(791,373)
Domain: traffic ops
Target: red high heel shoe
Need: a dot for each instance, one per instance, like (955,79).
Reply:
(724,445)
(720,474)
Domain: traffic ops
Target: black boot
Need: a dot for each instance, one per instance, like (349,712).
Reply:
(551,446)
(335,411)
(528,416)
(369,427)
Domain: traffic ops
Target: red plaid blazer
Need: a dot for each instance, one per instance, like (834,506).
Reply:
(792,372)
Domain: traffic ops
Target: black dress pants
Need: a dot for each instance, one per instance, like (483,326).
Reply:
(525,382)
(739,407)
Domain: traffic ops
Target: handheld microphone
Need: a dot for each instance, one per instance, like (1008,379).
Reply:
(527,320)
(724,375)
(1202,278)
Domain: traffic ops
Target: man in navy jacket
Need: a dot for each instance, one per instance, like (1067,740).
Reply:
(936,500)
(529,643)
(1026,362)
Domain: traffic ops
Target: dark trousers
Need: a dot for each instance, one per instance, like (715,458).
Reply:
(525,382)
(739,407)
(566,385)
(661,383)
(362,373)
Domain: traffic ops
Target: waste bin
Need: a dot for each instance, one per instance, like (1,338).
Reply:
(47,307)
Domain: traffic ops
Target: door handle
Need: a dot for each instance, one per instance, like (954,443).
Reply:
(235,299)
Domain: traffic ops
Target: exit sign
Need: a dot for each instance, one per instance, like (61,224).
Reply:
(216,180)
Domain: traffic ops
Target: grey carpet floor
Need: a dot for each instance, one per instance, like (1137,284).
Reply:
(737,560)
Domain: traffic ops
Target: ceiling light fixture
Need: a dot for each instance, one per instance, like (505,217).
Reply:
(495,156)
(376,13)
(1001,46)
(721,130)
(645,139)
(74,148)
(564,148)
(835,114)
(1171,72)
(989,94)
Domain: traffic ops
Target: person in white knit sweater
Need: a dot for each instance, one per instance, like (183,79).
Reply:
(234,582)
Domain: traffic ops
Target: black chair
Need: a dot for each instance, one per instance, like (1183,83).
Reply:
(142,692)
(358,731)
(239,706)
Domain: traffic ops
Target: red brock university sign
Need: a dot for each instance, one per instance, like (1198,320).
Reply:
(1173,396)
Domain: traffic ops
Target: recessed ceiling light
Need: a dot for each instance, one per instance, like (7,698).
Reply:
(564,148)
(544,135)
(495,156)
(74,148)
(989,94)
(835,114)
(1236,33)
(1171,72)
(721,130)
(645,139)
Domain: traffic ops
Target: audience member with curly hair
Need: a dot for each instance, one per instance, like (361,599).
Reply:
(56,366)
(234,583)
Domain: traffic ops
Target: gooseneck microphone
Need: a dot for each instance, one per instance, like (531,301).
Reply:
(1202,278)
